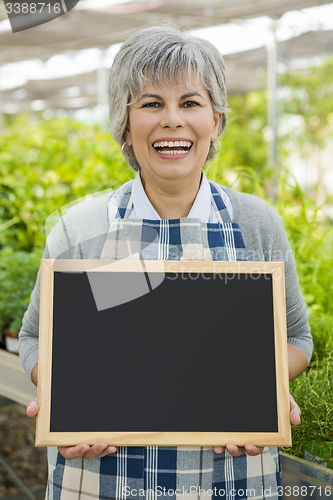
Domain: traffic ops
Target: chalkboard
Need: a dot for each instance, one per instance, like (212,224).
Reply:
(162,353)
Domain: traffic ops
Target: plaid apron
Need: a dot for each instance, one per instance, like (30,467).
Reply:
(179,472)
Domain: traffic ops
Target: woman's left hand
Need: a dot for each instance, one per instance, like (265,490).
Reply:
(235,451)
(251,449)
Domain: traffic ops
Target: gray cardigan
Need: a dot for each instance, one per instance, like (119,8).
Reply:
(82,232)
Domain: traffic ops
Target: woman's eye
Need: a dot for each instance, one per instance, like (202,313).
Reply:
(190,104)
(151,105)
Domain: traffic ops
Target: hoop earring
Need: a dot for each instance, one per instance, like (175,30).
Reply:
(122,150)
(217,150)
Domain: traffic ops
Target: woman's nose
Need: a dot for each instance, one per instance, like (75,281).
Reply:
(172,117)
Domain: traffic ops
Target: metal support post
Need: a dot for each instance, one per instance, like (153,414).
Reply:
(102,91)
(1,116)
(272,115)
(272,61)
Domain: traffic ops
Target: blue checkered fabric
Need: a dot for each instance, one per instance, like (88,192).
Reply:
(155,472)
(174,239)
(169,472)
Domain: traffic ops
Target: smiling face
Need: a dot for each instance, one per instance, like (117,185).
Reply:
(170,130)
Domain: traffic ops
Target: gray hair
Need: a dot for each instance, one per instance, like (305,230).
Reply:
(160,55)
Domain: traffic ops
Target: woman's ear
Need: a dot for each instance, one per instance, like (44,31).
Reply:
(127,135)
(217,119)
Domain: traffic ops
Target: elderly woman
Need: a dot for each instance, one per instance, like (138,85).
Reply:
(167,108)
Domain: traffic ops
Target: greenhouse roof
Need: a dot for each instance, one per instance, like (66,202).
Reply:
(110,23)
(83,27)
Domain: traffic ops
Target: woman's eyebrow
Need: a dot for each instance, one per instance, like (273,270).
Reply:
(155,96)
(191,94)
(184,96)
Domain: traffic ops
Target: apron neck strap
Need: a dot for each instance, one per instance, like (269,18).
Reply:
(125,205)
(220,209)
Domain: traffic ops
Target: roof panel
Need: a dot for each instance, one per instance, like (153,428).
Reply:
(245,71)
(81,29)
(235,9)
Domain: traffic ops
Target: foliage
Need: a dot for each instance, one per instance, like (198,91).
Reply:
(243,140)
(309,95)
(310,234)
(46,164)
(313,391)
(305,109)
(307,118)
(18,271)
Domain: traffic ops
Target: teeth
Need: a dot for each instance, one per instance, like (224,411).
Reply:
(172,152)
(172,144)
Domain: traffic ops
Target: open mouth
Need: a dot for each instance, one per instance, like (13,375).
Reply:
(173,147)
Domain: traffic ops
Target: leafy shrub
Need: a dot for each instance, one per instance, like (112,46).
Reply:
(18,272)
(322,333)
(47,164)
(313,391)
(310,234)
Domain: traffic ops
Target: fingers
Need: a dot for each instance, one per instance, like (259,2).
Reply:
(236,451)
(32,408)
(253,450)
(295,412)
(98,450)
(219,449)
(109,450)
(73,452)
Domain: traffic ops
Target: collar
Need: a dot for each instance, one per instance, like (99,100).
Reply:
(145,210)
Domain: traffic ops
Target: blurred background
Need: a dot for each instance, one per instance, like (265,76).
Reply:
(56,149)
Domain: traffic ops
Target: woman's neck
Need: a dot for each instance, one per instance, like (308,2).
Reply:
(173,202)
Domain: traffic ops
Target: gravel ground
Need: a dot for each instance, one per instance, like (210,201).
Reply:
(17,438)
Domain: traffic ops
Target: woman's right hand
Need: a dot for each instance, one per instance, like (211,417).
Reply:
(98,450)
(32,408)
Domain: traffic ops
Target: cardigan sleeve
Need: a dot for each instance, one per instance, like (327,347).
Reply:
(29,333)
(80,234)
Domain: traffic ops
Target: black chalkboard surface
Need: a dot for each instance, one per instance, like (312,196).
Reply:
(162,353)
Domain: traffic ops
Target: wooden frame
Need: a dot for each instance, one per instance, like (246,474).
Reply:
(275,272)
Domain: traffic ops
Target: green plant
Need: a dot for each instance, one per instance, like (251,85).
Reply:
(310,233)
(44,165)
(18,272)
(322,332)
(313,391)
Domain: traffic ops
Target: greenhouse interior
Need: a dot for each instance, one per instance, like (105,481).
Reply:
(57,151)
